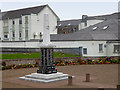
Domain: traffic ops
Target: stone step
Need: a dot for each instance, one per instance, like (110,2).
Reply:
(45,78)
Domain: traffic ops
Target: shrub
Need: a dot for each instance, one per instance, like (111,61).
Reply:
(3,68)
(3,63)
(115,61)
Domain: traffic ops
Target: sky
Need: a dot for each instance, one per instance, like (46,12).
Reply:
(67,10)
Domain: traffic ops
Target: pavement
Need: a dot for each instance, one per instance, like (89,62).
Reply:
(101,76)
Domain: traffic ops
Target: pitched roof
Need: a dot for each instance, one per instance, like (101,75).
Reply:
(109,33)
(105,17)
(100,17)
(26,11)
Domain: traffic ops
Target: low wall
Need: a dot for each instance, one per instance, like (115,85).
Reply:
(21,61)
(34,61)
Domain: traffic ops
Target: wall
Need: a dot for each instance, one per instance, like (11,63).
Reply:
(110,49)
(1,30)
(89,22)
(37,60)
(92,46)
(67,29)
(37,23)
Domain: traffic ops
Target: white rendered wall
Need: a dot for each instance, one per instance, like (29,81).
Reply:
(35,26)
(110,49)
(16,29)
(37,22)
(89,22)
(92,46)
(23,27)
(10,29)
(1,29)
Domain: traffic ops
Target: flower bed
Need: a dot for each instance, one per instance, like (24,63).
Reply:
(108,60)
(88,61)
(19,66)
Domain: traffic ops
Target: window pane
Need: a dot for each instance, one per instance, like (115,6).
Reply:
(13,34)
(5,22)
(20,34)
(100,47)
(13,22)
(26,20)
(117,48)
(20,21)
(5,35)
(84,50)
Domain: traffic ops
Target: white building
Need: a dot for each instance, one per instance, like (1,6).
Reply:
(26,24)
(100,38)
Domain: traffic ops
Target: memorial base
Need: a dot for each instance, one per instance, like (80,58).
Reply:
(45,78)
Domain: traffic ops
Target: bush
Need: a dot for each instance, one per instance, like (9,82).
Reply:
(3,63)
(115,61)
(3,68)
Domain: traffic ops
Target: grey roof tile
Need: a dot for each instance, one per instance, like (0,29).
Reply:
(17,13)
(110,33)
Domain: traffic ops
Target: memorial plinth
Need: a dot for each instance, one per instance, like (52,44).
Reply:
(46,61)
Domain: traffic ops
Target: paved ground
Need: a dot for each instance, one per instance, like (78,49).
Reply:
(102,76)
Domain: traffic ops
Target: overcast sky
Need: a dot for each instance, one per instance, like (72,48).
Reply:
(68,10)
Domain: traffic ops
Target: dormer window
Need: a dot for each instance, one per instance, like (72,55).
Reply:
(105,27)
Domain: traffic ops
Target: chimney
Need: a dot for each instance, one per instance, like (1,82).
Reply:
(84,17)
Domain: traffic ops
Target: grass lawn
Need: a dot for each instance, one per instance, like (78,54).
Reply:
(32,55)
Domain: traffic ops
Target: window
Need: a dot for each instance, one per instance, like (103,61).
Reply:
(100,47)
(85,23)
(20,20)
(20,34)
(13,22)
(13,33)
(5,22)
(116,48)
(5,34)
(84,50)
(26,34)
(26,19)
